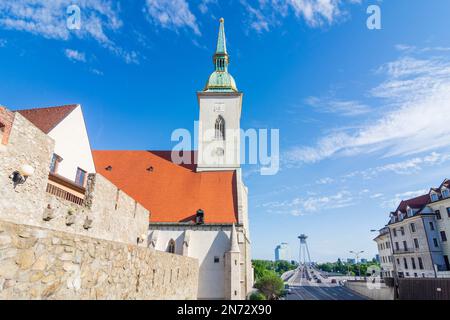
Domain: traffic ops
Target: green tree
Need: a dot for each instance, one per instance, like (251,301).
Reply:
(270,284)
(257,296)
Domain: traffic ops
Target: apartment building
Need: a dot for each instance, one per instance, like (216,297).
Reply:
(417,236)
(385,252)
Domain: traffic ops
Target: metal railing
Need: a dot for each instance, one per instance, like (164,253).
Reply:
(403,250)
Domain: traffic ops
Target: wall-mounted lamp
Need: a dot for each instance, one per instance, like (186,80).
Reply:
(87,223)
(21,175)
(141,238)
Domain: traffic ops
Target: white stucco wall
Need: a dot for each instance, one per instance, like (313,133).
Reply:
(443,224)
(386,253)
(203,245)
(229,107)
(72,144)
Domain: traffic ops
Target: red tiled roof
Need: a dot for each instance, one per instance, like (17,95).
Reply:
(47,118)
(171,192)
(415,203)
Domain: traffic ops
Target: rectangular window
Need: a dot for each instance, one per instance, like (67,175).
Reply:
(54,164)
(405,246)
(80,178)
(216,259)
(438,214)
(405,263)
(2,131)
(398,261)
(431,225)
(448,212)
(443,236)
(397,247)
(413,263)
(402,231)
(447,263)
(445,193)
(434,197)
(395,232)
(420,263)
(436,244)
(388,245)
(416,243)
(413,227)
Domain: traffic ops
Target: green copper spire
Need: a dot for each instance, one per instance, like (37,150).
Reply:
(220,80)
(221,39)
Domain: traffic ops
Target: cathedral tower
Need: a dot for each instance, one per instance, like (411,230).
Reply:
(220,114)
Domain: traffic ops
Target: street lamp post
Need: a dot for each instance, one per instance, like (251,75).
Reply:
(357,255)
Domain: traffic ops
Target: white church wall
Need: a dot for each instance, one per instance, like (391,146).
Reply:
(204,245)
(72,144)
(229,107)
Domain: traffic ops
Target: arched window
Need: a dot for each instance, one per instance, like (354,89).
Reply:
(171,246)
(220,128)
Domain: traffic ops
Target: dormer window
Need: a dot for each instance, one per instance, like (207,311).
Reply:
(392,219)
(434,196)
(200,217)
(410,212)
(445,193)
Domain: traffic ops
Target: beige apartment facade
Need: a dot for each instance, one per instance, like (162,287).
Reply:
(417,232)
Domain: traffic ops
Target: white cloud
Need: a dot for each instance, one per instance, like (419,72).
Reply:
(300,206)
(409,49)
(393,203)
(258,21)
(340,107)
(3,43)
(48,18)
(326,180)
(96,72)
(171,14)
(204,5)
(405,167)
(75,55)
(315,13)
(417,94)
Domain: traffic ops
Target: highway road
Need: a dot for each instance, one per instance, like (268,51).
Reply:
(304,287)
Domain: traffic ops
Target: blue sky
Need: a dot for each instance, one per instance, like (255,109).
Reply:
(363,114)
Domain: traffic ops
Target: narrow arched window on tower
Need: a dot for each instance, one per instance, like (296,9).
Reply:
(171,246)
(220,128)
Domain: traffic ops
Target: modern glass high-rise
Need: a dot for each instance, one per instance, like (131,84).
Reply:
(282,252)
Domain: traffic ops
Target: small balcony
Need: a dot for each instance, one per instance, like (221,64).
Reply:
(404,251)
(65,189)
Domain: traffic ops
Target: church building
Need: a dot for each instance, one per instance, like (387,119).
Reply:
(197,209)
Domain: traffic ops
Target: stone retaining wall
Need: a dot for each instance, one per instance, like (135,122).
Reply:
(113,214)
(38,263)
(378,291)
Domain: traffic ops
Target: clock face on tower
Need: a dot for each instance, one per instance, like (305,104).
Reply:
(220,152)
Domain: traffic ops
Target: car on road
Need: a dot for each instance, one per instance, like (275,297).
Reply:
(318,281)
(333,280)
